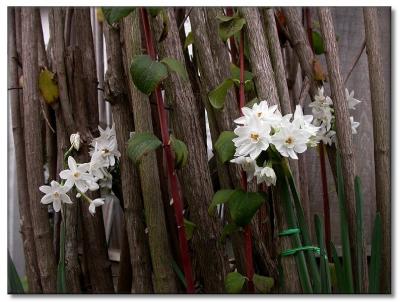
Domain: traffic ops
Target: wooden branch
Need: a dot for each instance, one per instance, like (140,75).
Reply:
(381,122)
(31,265)
(164,276)
(33,150)
(343,128)
(212,264)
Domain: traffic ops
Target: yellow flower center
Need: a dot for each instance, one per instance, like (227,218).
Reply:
(255,136)
(56,194)
(105,152)
(289,140)
(76,174)
(259,114)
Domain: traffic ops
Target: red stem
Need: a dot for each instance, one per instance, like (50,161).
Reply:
(177,201)
(247,229)
(327,214)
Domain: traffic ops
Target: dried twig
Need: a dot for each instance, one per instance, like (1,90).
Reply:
(355,61)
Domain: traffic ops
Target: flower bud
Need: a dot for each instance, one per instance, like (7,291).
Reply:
(75,140)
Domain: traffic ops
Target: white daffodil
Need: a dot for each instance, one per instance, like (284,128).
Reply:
(327,137)
(265,174)
(304,122)
(75,140)
(56,194)
(248,165)
(289,141)
(94,204)
(77,175)
(354,125)
(252,138)
(105,152)
(261,112)
(351,101)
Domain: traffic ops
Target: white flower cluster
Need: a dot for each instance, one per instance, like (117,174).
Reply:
(262,126)
(322,109)
(86,176)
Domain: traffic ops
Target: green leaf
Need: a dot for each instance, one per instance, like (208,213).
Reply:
(48,86)
(189,40)
(218,94)
(176,66)
(359,231)
(181,152)
(263,284)
(251,103)
(115,14)
(332,274)
(318,43)
(224,146)
(324,264)
(344,229)
(147,73)
(165,24)
(234,283)
(13,280)
(179,273)
(228,229)
(141,144)
(189,228)
(376,256)
(61,281)
(248,77)
(154,11)
(228,26)
(339,273)
(221,196)
(243,206)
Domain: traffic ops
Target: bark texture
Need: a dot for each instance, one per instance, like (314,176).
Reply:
(381,126)
(211,264)
(31,266)
(33,152)
(343,129)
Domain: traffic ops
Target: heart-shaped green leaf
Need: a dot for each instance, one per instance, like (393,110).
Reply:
(189,228)
(228,229)
(48,86)
(176,66)
(317,43)
(147,73)
(219,197)
(263,284)
(224,146)
(218,94)
(228,26)
(141,144)
(248,77)
(234,283)
(115,14)
(243,205)
(181,152)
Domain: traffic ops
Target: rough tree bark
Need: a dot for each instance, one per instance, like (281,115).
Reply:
(31,266)
(266,89)
(211,264)
(33,148)
(164,278)
(381,126)
(344,139)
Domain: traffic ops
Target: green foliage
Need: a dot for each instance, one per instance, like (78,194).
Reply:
(339,272)
(179,273)
(154,11)
(224,146)
(48,86)
(14,285)
(181,152)
(176,66)
(141,144)
(115,14)
(248,77)
(243,206)
(263,284)
(229,26)
(221,196)
(189,40)
(218,94)
(317,43)
(324,264)
(344,230)
(189,228)
(228,229)
(234,283)
(376,256)
(61,282)
(359,232)
(146,73)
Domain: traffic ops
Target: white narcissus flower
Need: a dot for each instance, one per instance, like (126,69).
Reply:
(351,101)
(289,141)
(252,138)
(105,151)
(261,112)
(248,165)
(55,193)
(77,175)
(354,125)
(265,174)
(75,140)
(94,204)
(304,121)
